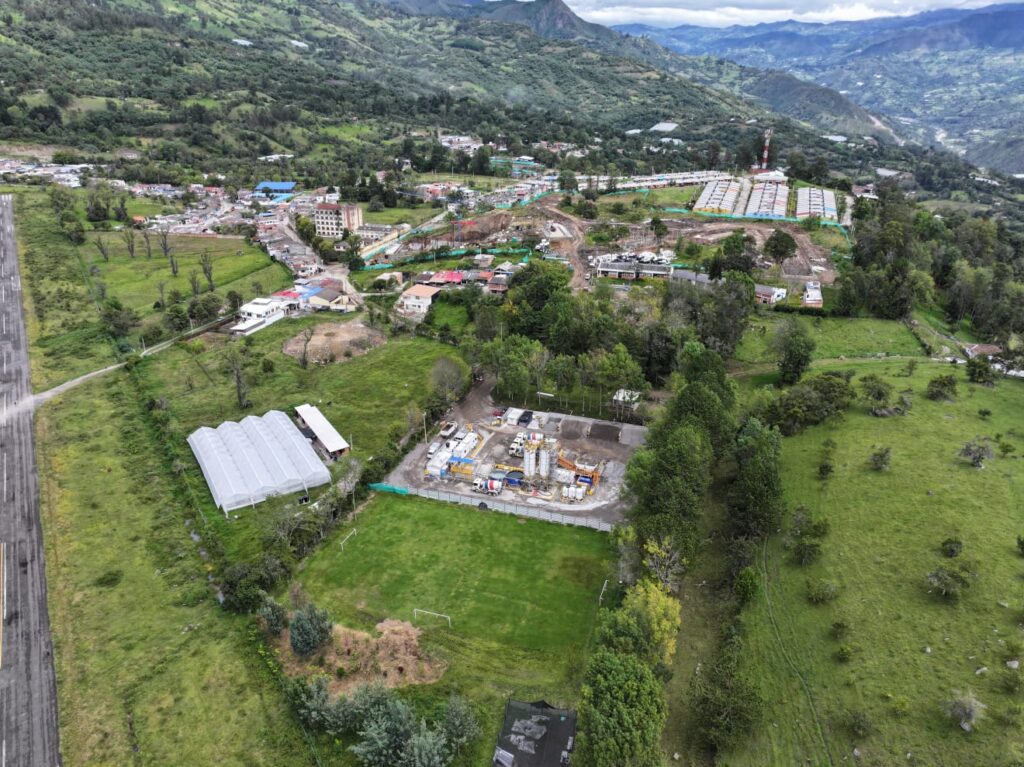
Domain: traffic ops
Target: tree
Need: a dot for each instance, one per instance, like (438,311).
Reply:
(659,611)
(101,246)
(977,452)
(460,725)
(147,239)
(447,378)
(235,365)
(964,709)
(172,261)
(310,628)
(74,230)
(806,551)
(942,388)
(979,371)
(307,336)
(756,501)
(128,237)
(118,318)
(234,298)
(780,246)
(193,281)
(206,262)
(425,748)
(663,561)
(163,237)
(658,228)
(622,713)
(876,392)
(385,734)
(951,580)
(794,347)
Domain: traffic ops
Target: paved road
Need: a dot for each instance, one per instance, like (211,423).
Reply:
(28,688)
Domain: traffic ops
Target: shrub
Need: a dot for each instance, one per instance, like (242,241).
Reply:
(1010,681)
(977,452)
(267,365)
(727,704)
(825,469)
(310,629)
(1020,545)
(951,547)
(980,371)
(942,388)
(859,723)
(840,630)
(746,585)
(880,458)
(821,591)
(951,581)
(806,551)
(845,653)
(964,709)
(984,412)
(274,616)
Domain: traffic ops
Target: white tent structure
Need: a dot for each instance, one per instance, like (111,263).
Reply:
(246,462)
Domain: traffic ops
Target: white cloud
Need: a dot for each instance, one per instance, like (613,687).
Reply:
(711,13)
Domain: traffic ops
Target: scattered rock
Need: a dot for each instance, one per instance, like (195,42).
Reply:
(1014,664)
(675,756)
(927,650)
(1004,605)
(980,671)
(856,753)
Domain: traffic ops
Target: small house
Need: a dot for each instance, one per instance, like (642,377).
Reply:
(812,295)
(769,294)
(417,299)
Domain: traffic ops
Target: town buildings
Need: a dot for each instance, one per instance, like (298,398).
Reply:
(333,220)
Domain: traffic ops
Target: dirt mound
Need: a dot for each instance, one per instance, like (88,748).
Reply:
(335,341)
(352,658)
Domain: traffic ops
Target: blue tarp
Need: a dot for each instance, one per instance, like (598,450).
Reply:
(278,187)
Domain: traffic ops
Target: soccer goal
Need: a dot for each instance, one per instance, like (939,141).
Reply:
(416,614)
(342,544)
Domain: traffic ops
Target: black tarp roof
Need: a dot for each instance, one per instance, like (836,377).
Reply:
(536,734)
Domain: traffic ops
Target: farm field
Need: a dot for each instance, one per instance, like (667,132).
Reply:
(522,596)
(150,671)
(908,648)
(365,397)
(834,337)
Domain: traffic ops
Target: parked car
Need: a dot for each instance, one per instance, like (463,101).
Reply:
(448,429)
(525,418)
(434,447)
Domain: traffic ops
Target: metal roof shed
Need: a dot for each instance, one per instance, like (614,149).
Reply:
(325,433)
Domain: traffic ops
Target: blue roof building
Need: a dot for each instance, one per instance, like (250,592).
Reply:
(276,187)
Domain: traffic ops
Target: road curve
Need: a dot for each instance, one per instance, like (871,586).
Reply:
(28,687)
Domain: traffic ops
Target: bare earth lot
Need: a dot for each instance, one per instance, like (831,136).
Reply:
(336,341)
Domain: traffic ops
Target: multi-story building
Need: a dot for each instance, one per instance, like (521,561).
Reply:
(332,220)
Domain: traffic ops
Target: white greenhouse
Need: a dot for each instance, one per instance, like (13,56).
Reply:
(247,462)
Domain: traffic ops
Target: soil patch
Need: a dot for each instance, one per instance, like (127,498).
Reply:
(353,658)
(336,341)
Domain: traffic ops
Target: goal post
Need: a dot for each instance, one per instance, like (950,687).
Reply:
(416,614)
(345,540)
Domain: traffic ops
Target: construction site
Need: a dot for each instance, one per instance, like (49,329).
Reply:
(548,461)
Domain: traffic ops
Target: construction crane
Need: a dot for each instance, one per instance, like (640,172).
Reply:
(767,144)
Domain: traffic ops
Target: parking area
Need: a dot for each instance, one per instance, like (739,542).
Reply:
(550,461)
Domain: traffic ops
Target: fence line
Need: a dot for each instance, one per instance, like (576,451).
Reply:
(505,507)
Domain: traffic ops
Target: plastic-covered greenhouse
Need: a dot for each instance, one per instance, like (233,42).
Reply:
(247,462)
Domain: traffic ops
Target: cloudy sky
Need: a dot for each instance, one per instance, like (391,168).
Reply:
(720,13)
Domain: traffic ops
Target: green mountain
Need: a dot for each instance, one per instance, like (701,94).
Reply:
(951,78)
(778,91)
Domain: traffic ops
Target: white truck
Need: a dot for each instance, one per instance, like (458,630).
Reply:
(487,486)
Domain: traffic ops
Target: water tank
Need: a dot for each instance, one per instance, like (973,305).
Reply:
(544,462)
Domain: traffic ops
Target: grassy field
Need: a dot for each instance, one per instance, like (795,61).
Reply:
(150,671)
(412,216)
(66,338)
(885,532)
(522,596)
(365,397)
(454,316)
(236,266)
(834,337)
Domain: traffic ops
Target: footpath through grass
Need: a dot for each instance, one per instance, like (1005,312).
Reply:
(910,649)
(522,596)
(149,670)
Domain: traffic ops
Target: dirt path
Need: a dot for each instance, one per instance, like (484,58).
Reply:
(577,228)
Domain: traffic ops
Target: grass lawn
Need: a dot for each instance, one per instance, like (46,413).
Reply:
(392,216)
(835,337)
(236,266)
(454,316)
(365,397)
(672,196)
(522,596)
(885,531)
(150,671)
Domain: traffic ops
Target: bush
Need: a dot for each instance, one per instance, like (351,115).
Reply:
(814,400)
(1020,545)
(951,581)
(274,616)
(942,388)
(746,585)
(964,709)
(881,458)
(806,551)
(839,630)
(310,629)
(984,412)
(951,547)
(845,653)
(980,371)
(825,469)
(859,724)
(821,591)
(1010,681)
(727,704)
(977,452)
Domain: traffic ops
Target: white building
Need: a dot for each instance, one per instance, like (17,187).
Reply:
(332,220)
(417,299)
(327,437)
(812,295)
(258,314)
